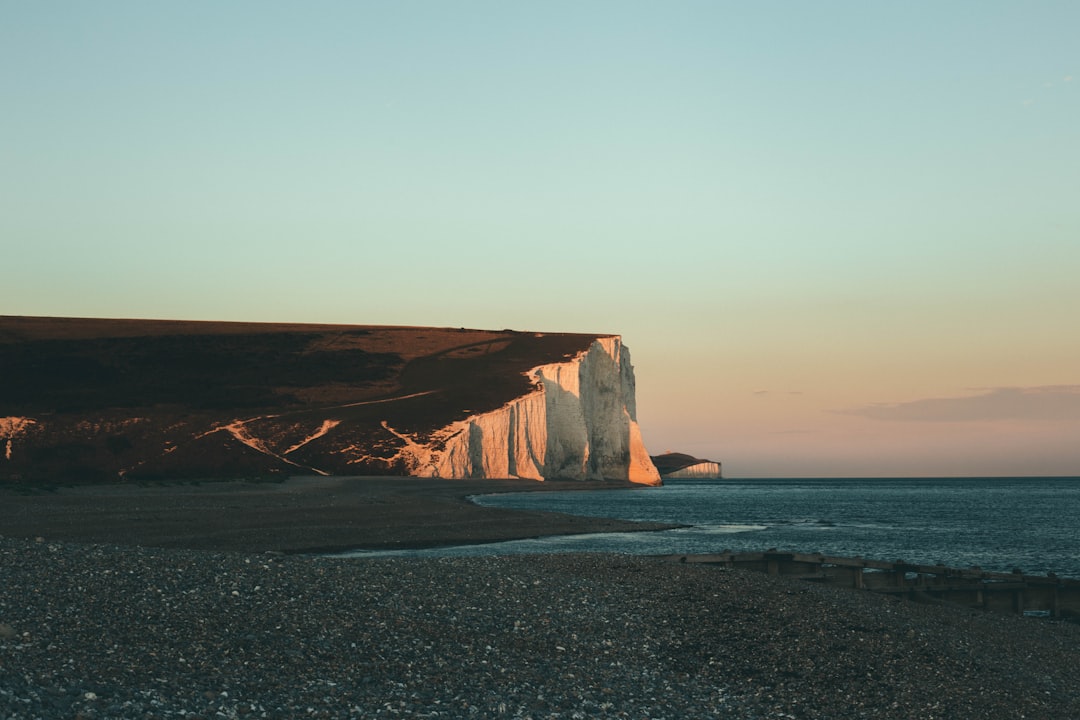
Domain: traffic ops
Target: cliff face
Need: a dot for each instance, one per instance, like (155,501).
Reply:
(680,465)
(578,423)
(701,471)
(101,400)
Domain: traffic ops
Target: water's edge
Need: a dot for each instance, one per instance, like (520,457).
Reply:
(998,524)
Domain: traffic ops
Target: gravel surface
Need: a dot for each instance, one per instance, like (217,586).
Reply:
(101,631)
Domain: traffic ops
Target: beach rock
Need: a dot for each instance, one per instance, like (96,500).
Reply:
(555,636)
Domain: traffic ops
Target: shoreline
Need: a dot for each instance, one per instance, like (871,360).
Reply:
(297,515)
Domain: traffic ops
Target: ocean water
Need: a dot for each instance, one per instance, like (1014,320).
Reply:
(997,524)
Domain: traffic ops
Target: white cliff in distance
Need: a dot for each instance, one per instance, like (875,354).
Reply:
(578,423)
(705,470)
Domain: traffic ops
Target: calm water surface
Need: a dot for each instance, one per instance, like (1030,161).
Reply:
(995,523)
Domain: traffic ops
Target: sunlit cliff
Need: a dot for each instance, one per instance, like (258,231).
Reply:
(100,400)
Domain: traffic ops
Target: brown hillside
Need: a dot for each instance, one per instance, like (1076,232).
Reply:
(92,400)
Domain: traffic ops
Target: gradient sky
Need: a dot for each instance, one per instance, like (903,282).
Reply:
(840,238)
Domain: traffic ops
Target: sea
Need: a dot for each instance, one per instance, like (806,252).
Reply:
(998,524)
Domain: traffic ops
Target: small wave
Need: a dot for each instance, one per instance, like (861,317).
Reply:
(729,529)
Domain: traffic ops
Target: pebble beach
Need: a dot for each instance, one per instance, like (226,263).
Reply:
(110,631)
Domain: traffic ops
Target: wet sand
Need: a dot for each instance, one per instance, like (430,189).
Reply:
(309,514)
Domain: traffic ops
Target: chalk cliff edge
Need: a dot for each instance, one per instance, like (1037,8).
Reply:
(94,400)
(579,422)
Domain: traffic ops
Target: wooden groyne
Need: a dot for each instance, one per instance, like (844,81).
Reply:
(1015,592)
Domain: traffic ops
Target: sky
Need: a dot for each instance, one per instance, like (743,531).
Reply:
(840,238)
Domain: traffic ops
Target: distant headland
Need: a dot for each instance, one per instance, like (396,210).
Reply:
(676,465)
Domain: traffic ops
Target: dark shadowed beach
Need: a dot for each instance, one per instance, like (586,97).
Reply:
(177,602)
(309,514)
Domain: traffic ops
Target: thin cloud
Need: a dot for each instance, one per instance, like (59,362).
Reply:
(1048,402)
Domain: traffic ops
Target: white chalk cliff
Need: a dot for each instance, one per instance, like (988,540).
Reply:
(579,422)
(326,400)
(706,470)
